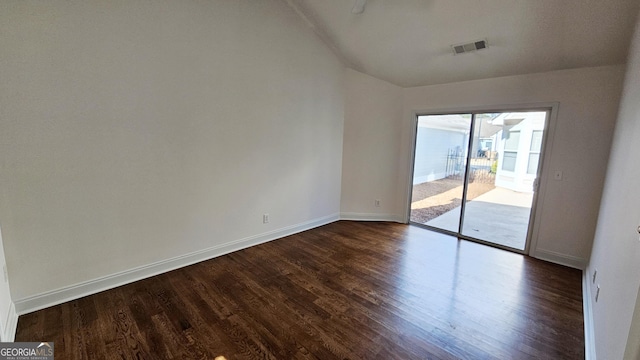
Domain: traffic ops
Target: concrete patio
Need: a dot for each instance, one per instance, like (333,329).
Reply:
(500,216)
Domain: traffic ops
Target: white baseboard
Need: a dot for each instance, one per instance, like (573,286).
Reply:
(370,217)
(72,292)
(587,312)
(10,325)
(562,259)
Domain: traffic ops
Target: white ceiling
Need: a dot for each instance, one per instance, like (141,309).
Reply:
(407,42)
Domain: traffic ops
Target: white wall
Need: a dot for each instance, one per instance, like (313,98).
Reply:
(616,248)
(133,132)
(588,100)
(632,351)
(373,109)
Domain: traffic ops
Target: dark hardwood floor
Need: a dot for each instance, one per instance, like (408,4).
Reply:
(345,290)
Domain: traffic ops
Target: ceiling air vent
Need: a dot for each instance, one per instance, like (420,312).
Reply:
(469,47)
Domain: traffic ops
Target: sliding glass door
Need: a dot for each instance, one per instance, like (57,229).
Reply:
(440,166)
(474,174)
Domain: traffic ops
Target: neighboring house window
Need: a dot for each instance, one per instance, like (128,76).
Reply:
(534,152)
(510,151)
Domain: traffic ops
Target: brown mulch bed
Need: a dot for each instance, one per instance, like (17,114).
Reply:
(432,199)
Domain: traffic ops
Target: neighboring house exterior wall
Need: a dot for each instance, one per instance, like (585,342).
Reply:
(519,149)
(433,147)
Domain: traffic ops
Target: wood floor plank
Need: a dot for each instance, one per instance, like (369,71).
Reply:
(347,290)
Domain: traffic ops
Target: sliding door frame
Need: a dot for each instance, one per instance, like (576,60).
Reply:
(533,230)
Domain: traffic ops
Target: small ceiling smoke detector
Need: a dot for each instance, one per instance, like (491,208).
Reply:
(469,47)
(358,6)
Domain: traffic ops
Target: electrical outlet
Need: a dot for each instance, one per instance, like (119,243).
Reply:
(265,218)
(377,202)
(595,273)
(598,293)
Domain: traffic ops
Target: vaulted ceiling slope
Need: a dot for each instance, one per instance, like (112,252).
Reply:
(408,42)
